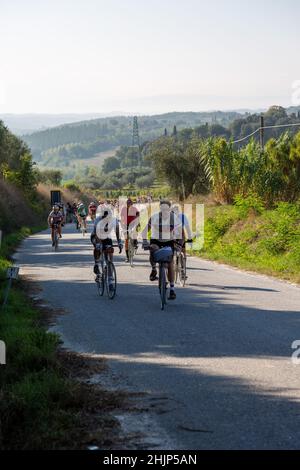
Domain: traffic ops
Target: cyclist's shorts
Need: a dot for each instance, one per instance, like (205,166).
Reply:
(162,244)
(106,243)
(164,255)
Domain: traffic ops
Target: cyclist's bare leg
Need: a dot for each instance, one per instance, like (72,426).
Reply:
(171,274)
(97,256)
(153,274)
(153,249)
(127,245)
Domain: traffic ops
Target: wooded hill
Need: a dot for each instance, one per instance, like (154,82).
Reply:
(65,145)
(60,145)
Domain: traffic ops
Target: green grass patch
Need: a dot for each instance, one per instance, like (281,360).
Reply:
(40,406)
(248,236)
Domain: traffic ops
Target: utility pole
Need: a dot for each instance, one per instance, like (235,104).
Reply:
(262,132)
(136,139)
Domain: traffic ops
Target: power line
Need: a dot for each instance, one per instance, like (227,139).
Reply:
(263,128)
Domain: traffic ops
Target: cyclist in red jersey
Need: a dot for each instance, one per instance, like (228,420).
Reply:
(93,210)
(129,221)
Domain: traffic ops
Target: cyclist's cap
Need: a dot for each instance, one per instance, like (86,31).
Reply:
(165,202)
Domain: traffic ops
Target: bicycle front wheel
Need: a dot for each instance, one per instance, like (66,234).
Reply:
(162,286)
(100,281)
(111,280)
(177,268)
(56,241)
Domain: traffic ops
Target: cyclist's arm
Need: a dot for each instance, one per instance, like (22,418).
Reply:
(117,230)
(187,228)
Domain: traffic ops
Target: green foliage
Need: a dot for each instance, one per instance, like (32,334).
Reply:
(265,240)
(72,186)
(111,164)
(16,165)
(249,205)
(219,224)
(273,175)
(52,177)
(40,408)
(178,163)
(145,181)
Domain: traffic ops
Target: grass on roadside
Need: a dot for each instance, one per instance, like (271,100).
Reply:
(41,406)
(248,236)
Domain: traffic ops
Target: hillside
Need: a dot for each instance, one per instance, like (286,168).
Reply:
(83,140)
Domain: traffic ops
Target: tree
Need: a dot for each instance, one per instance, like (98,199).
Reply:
(110,164)
(178,163)
(53,177)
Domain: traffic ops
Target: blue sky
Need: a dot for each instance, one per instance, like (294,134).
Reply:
(147,56)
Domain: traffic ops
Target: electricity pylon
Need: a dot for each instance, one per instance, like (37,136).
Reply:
(136,139)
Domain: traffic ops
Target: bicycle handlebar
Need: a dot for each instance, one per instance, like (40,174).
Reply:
(114,246)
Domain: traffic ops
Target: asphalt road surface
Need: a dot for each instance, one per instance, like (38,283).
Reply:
(217,361)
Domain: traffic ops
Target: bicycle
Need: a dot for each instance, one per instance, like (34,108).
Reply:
(82,225)
(163,257)
(107,276)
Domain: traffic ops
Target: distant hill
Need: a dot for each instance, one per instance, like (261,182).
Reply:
(59,146)
(28,123)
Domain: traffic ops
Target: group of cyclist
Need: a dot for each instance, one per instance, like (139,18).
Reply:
(168,227)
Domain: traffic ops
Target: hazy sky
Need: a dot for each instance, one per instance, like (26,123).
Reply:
(147,56)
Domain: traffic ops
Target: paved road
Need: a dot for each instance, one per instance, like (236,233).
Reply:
(218,361)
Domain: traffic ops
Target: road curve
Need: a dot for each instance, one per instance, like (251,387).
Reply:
(217,362)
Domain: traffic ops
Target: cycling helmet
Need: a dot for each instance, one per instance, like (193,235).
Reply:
(165,202)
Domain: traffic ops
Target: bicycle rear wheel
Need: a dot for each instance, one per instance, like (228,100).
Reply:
(111,280)
(162,286)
